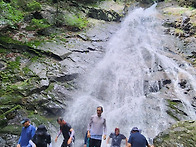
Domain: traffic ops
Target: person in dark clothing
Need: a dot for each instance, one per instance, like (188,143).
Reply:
(41,137)
(136,139)
(116,138)
(67,131)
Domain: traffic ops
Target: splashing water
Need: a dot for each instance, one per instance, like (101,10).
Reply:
(128,81)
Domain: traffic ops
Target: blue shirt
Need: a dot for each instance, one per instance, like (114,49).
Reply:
(116,140)
(137,140)
(26,135)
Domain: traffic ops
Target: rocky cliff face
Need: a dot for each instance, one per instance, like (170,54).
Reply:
(43,53)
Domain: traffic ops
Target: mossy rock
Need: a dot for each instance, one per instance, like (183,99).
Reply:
(175,110)
(11,129)
(187,3)
(181,134)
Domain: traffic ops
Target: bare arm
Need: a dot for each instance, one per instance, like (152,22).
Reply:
(71,136)
(58,136)
(108,140)
(126,141)
(128,145)
(89,127)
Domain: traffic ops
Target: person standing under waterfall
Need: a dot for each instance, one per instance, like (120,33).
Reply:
(96,128)
(116,138)
(136,139)
(67,131)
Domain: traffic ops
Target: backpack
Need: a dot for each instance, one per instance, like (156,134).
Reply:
(41,137)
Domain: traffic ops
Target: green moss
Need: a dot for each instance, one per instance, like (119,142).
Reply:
(35,43)
(26,70)
(3,119)
(33,6)
(76,21)
(172,115)
(5,39)
(14,65)
(174,106)
(50,88)
(11,110)
(38,119)
(11,129)
(11,98)
(37,24)
(2,50)
(10,14)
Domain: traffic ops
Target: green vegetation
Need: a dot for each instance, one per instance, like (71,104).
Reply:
(2,50)
(37,24)
(5,40)
(175,110)
(9,14)
(76,21)
(34,6)
(183,133)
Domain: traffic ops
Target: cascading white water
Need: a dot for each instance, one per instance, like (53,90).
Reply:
(137,54)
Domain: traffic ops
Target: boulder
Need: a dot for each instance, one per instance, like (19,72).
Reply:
(182,134)
(102,14)
(188,3)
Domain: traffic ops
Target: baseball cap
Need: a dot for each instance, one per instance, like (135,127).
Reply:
(135,129)
(24,120)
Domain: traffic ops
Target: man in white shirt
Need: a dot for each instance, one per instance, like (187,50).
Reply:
(96,128)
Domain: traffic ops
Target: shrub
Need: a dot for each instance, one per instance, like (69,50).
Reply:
(34,6)
(76,21)
(37,24)
(9,14)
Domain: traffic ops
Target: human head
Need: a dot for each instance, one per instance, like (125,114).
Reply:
(117,131)
(41,129)
(25,122)
(134,129)
(99,110)
(60,121)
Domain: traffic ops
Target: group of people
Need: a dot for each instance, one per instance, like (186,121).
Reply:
(30,137)
(96,130)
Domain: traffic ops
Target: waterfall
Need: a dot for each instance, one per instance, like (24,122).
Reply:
(129,81)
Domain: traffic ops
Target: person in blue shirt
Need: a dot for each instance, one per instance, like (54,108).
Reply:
(136,139)
(27,133)
(116,138)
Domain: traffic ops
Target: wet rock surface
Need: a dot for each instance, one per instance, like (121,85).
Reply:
(51,73)
(43,75)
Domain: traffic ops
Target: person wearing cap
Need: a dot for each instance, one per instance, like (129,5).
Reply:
(27,133)
(116,138)
(96,128)
(41,137)
(67,131)
(136,139)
